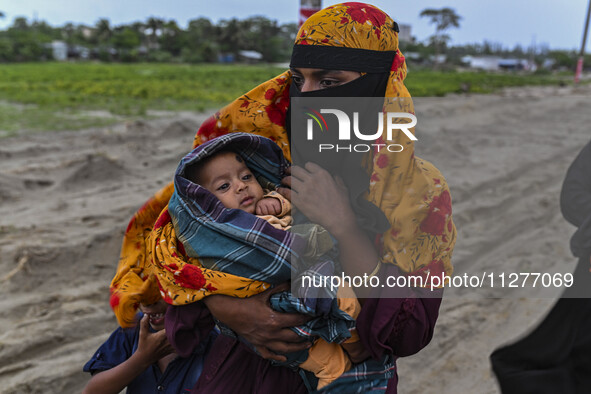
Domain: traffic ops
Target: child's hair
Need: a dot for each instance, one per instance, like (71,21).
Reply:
(194,171)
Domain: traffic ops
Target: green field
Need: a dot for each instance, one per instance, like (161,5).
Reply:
(69,96)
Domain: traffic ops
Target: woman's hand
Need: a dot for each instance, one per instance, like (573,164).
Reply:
(323,199)
(253,319)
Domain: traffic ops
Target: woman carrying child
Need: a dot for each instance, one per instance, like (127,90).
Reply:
(346,50)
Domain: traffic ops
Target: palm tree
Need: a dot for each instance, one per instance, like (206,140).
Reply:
(68,32)
(172,38)
(443,19)
(20,23)
(103,31)
(155,26)
(139,28)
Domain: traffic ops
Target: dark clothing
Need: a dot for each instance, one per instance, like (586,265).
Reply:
(556,356)
(575,201)
(179,377)
(398,326)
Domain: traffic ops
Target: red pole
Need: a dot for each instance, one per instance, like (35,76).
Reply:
(579,69)
(308,8)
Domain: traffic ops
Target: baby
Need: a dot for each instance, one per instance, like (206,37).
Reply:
(226,175)
(231,181)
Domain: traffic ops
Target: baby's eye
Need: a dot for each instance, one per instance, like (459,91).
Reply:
(247,177)
(224,186)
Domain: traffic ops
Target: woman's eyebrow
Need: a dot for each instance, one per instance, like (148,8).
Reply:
(323,73)
(318,73)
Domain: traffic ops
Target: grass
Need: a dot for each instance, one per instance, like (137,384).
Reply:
(15,118)
(62,96)
(425,83)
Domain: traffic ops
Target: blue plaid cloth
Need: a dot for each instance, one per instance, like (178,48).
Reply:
(369,376)
(330,324)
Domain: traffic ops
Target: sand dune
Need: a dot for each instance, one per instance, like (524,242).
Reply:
(66,198)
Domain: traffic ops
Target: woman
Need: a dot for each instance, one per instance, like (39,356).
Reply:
(351,50)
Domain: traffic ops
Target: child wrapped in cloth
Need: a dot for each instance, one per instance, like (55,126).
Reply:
(212,210)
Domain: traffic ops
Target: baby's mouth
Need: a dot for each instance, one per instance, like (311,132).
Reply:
(246,201)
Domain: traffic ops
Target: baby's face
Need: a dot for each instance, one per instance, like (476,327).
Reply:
(229,179)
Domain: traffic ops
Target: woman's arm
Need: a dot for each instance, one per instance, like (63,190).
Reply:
(151,348)
(392,321)
(253,319)
(398,321)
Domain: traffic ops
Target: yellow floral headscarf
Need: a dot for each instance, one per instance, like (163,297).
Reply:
(410,191)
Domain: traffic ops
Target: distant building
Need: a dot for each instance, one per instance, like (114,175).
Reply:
(405,33)
(438,59)
(59,50)
(549,63)
(495,63)
(87,32)
(250,56)
(78,52)
(413,56)
(517,64)
(486,63)
(226,58)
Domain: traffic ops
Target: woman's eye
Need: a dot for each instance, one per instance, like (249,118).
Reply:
(297,80)
(325,83)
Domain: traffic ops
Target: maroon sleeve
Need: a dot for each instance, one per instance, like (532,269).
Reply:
(229,364)
(396,321)
(186,326)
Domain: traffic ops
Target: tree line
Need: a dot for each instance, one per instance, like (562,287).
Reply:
(161,40)
(153,40)
(446,18)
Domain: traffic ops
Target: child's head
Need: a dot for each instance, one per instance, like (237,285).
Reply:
(226,175)
(155,313)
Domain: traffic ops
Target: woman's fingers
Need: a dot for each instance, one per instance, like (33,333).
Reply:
(269,355)
(284,347)
(286,181)
(285,192)
(313,168)
(301,173)
(290,320)
(300,178)
(275,350)
(341,184)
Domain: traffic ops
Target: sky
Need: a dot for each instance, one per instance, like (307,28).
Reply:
(556,23)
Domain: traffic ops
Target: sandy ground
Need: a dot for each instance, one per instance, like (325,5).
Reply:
(66,198)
